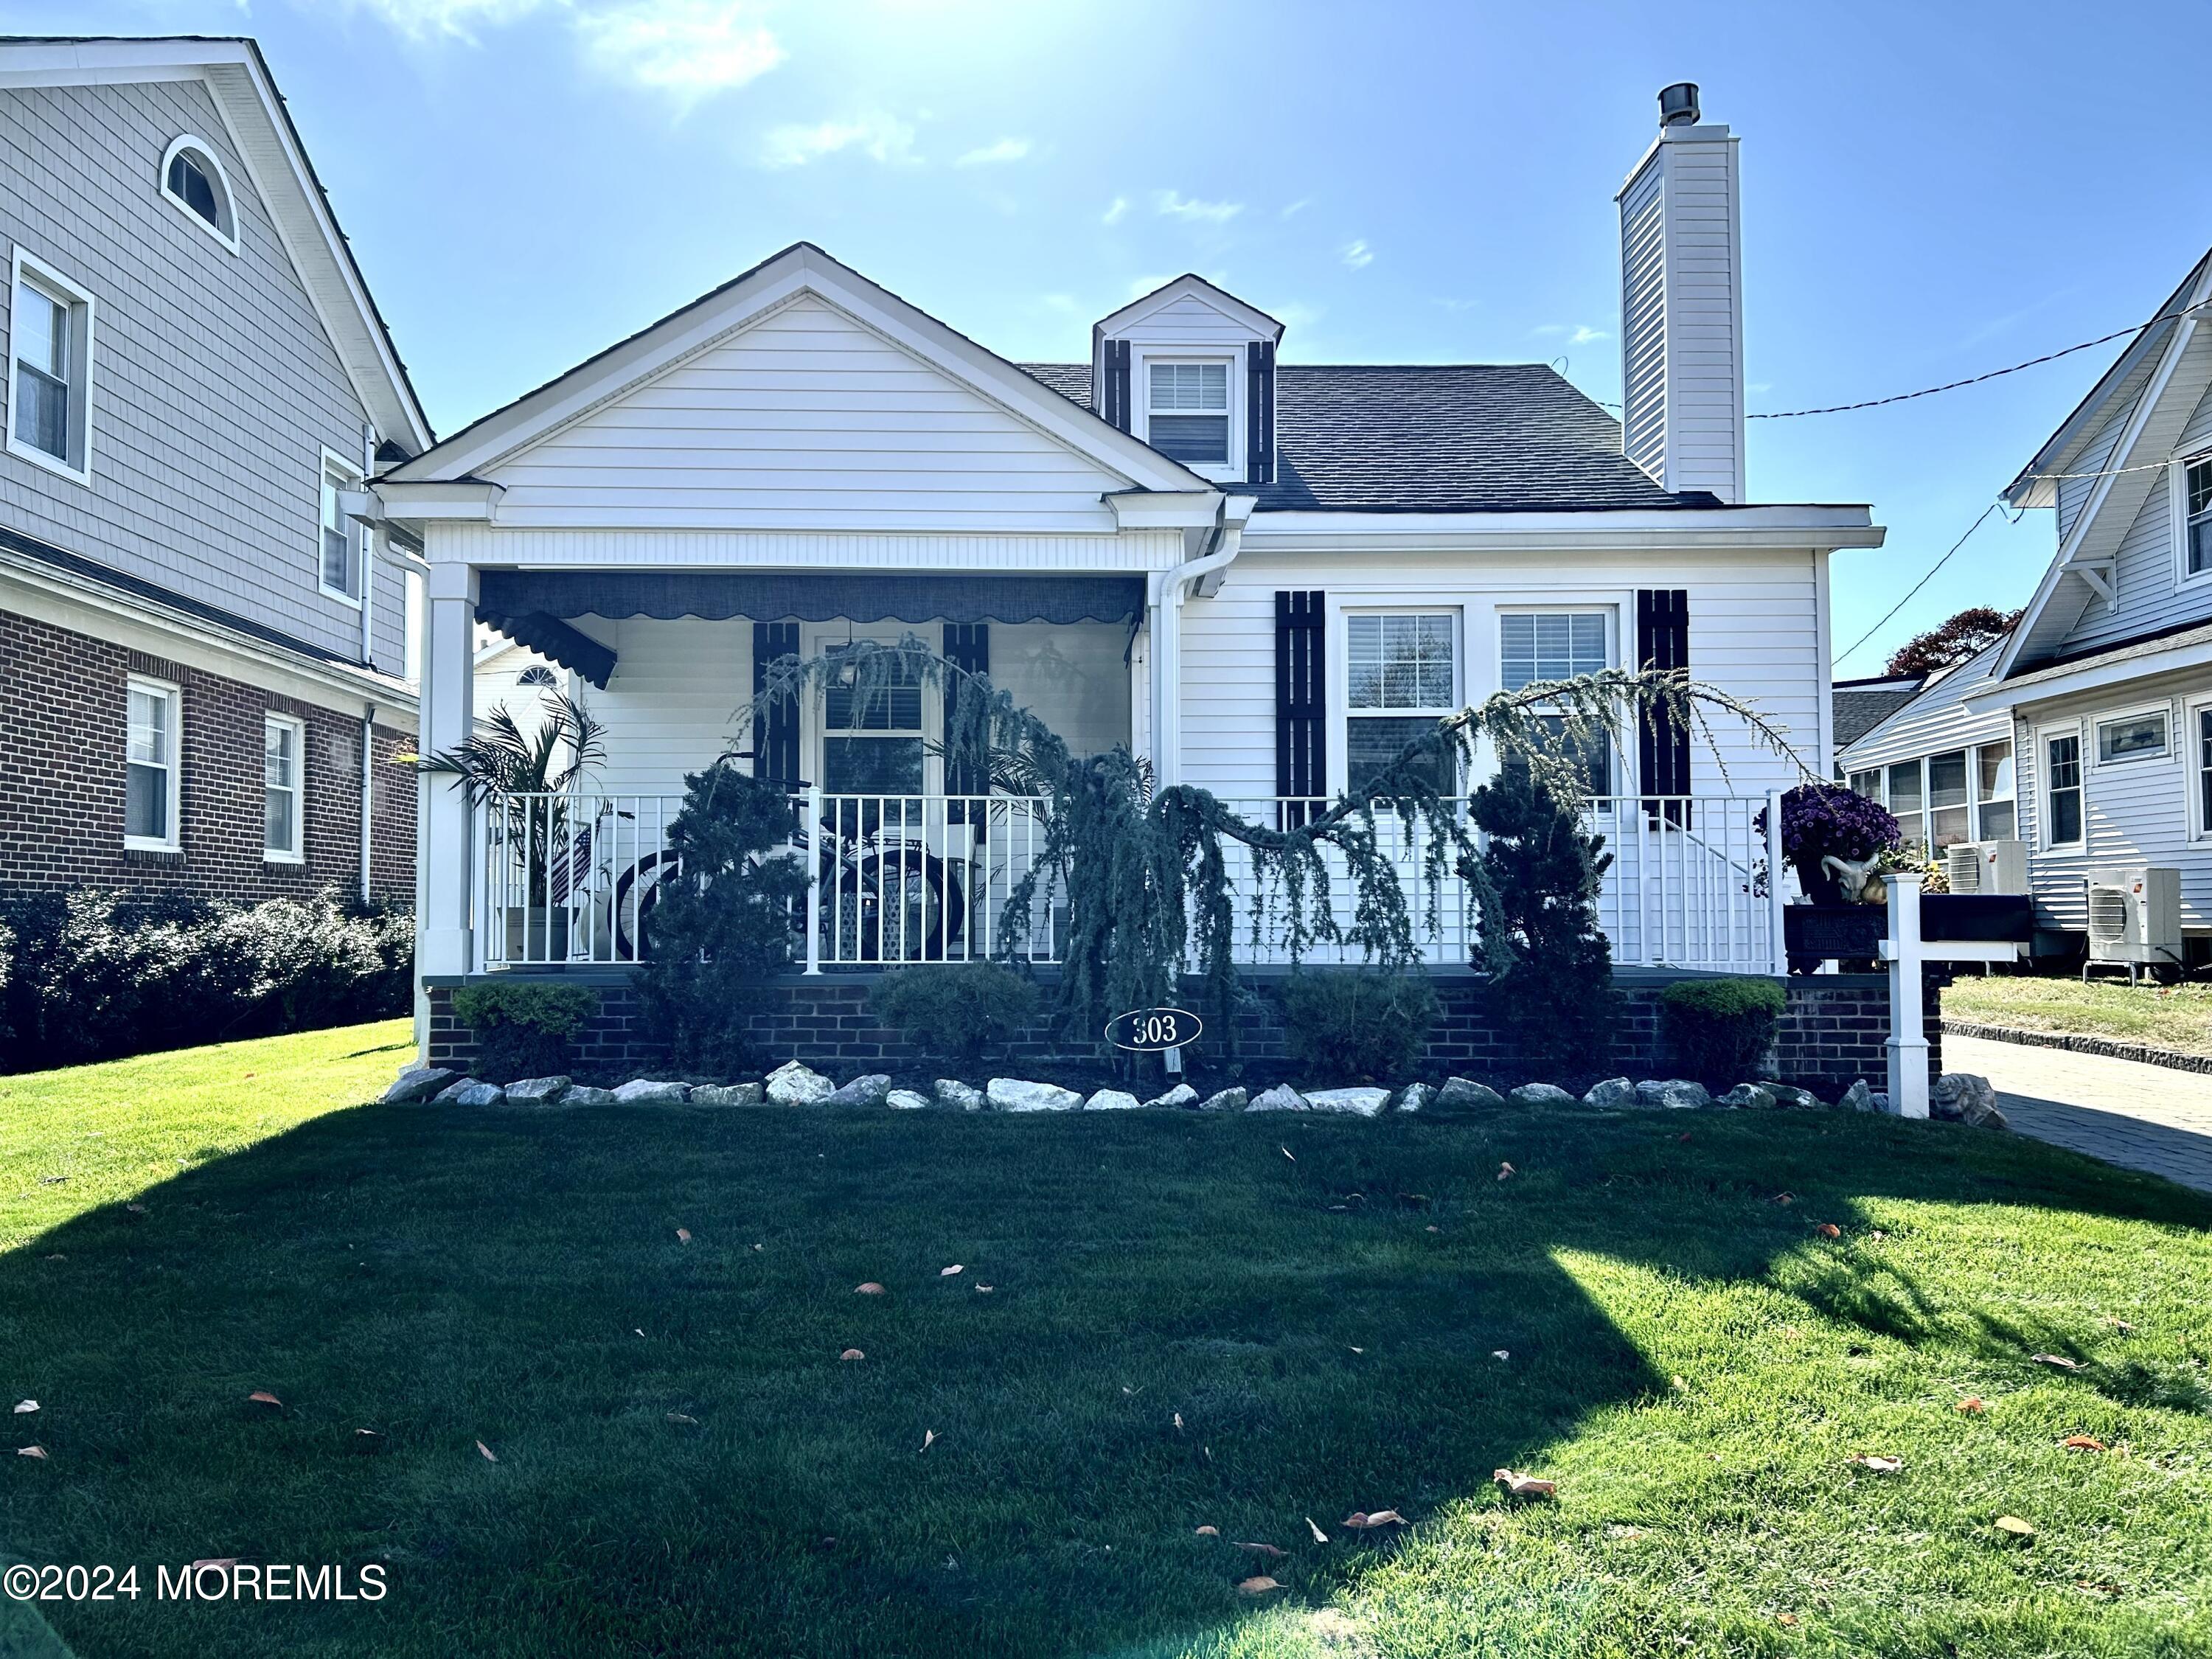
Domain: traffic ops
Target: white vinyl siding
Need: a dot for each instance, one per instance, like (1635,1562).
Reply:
(153,764)
(1643,325)
(284,758)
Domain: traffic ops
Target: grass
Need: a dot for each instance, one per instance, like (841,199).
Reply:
(2164,1016)
(1317,1301)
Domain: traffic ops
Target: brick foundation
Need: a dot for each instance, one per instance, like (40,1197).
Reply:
(1832,1033)
(63,710)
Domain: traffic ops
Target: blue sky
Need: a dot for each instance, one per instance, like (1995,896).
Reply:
(1929,192)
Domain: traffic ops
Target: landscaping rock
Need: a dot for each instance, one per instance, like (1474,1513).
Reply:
(861,1091)
(536,1090)
(479,1094)
(645,1091)
(1113,1100)
(1858,1098)
(1229,1100)
(1963,1097)
(1459,1094)
(1350,1102)
(1540,1094)
(1882,1102)
(451,1092)
(1008,1094)
(1180,1096)
(1415,1098)
(1677,1094)
(1749,1097)
(1280,1098)
(583,1094)
(908,1100)
(958,1096)
(793,1084)
(727,1094)
(1613,1091)
(1791,1098)
(418,1083)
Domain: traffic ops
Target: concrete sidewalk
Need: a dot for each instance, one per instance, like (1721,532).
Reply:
(2140,1117)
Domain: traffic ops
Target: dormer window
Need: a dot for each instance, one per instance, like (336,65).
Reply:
(194,181)
(1187,412)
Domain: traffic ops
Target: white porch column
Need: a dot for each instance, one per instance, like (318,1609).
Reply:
(1908,1035)
(448,713)
(1164,622)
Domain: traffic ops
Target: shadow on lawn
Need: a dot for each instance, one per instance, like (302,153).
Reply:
(1191,1321)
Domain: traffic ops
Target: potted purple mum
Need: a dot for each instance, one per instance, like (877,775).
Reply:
(1825,820)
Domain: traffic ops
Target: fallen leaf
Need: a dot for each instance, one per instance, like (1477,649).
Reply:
(869,1289)
(2072,1441)
(215,1560)
(1618,1530)
(947,1273)
(1178,1422)
(1287,1153)
(851,1354)
(1681,1384)
(2015,1526)
(1829,1230)
(1362,1520)
(679,1416)
(1206,1532)
(1786,1198)
(1356,1350)
(682,1235)
(1785,1619)
(1506,1172)
(489,1455)
(25,1407)
(1319,1537)
(136,1209)
(1972,1405)
(363,1437)
(1879,1464)
(928,1439)
(641,1332)
(1268,1550)
(39,1452)
(1501,1353)
(1432,1228)
(984,1290)
(2057,1359)
(263,1397)
(1524,1485)
(2120,1325)
(1258,1586)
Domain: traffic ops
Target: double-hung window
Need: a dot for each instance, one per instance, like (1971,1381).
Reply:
(2062,789)
(1908,802)
(283,751)
(2196,517)
(150,766)
(871,741)
(1187,412)
(49,381)
(1996,816)
(1401,677)
(1538,645)
(2204,770)
(1946,800)
(340,553)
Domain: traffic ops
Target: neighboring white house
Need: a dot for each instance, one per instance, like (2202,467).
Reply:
(2088,731)
(1259,574)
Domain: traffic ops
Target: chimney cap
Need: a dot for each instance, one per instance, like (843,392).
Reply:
(1678,105)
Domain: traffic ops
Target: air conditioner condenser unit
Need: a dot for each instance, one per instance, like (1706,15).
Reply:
(1986,866)
(2135,918)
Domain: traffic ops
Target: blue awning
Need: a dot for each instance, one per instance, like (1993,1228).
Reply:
(824,596)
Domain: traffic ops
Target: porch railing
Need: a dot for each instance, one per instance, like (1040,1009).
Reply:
(566,880)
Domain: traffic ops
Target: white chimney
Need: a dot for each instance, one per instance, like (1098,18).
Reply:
(1682,306)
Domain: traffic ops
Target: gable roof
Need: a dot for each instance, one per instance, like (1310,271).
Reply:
(237,78)
(1435,438)
(725,310)
(1191,284)
(1857,706)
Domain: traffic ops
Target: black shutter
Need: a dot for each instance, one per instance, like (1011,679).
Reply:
(967,646)
(1260,413)
(1662,642)
(1301,704)
(776,739)
(1117,384)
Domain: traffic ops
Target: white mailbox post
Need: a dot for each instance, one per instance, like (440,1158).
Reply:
(1908,1034)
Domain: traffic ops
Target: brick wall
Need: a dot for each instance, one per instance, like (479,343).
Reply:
(1832,1033)
(63,710)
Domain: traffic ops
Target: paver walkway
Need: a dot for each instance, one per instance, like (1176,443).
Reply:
(2141,1117)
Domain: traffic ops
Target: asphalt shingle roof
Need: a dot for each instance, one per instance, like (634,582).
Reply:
(1449,438)
(1857,711)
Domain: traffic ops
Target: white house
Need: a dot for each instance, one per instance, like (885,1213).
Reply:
(1259,574)
(2088,731)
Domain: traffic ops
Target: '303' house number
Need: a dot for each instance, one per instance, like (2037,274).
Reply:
(1153,1030)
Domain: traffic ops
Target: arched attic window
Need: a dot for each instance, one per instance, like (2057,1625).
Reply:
(194,181)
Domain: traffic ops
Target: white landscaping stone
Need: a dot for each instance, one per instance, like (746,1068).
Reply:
(1459,1095)
(1415,1098)
(1280,1098)
(418,1083)
(1613,1091)
(1882,1102)
(584,1095)
(1964,1097)
(1113,1100)
(453,1091)
(480,1094)
(1350,1102)
(907,1100)
(645,1092)
(960,1096)
(1754,1097)
(793,1084)
(727,1094)
(1858,1098)
(1795,1099)
(536,1090)
(1677,1093)
(861,1091)
(1226,1100)
(1541,1094)
(1182,1094)
(1009,1094)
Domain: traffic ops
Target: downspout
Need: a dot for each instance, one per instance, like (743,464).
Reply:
(1166,590)
(367,796)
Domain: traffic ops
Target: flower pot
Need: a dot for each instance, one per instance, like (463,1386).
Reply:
(536,934)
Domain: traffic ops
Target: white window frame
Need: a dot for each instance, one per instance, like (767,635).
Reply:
(297,853)
(1974,789)
(2097,722)
(1230,470)
(1340,712)
(331,461)
(1610,611)
(227,198)
(173,841)
(2194,711)
(817,640)
(2177,497)
(2083,754)
(77,301)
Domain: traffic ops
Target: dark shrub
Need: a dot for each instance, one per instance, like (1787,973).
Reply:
(1719,1030)
(1357,1024)
(957,1012)
(523,1026)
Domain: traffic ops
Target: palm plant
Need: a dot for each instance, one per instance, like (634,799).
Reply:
(529,778)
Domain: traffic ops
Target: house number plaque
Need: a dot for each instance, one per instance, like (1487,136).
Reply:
(1153,1030)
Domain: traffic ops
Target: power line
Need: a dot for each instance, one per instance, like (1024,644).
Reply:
(1917,586)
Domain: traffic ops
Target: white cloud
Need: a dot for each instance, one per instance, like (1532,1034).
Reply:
(1113,215)
(1296,207)
(880,137)
(1455,304)
(1357,256)
(1580,334)
(419,19)
(1006,149)
(686,49)
(1177,206)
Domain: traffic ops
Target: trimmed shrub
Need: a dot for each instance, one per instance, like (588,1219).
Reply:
(1357,1024)
(91,975)
(523,1026)
(958,1012)
(1719,1030)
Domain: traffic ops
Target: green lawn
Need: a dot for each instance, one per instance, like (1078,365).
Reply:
(2165,1016)
(1316,1302)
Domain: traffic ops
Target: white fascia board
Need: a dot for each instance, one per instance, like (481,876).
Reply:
(2021,694)
(1758,527)
(465,500)
(1192,509)
(1127,319)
